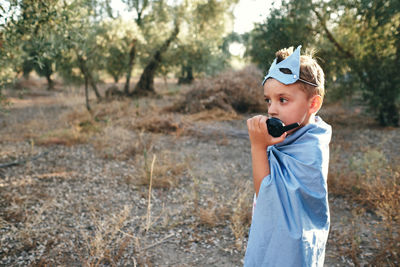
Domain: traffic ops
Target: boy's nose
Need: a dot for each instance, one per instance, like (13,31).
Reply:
(272,110)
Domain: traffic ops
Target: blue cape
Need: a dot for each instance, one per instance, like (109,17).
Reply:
(290,223)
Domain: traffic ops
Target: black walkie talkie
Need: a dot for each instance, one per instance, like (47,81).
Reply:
(276,127)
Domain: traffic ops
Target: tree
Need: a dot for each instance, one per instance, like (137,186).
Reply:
(139,7)
(80,36)
(38,21)
(82,39)
(196,49)
(359,41)
(367,37)
(289,25)
(37,59)
(10,57)
(26,30)
(44,32)
(202,47)
(145,85)
(120,38)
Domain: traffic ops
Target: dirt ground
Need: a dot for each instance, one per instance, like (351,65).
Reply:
(131,184)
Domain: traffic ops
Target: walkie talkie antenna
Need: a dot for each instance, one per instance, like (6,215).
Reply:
(290,127)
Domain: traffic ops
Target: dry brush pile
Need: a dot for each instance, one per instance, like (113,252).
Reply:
(231,91)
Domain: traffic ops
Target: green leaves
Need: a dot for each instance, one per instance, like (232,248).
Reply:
(75,38)
(358,42)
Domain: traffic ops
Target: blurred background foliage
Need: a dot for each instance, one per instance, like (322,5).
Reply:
(357,43)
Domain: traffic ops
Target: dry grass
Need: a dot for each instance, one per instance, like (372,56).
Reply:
(26,130)
(109,241)
(25,206)
(214,115)
(130,131)
(66,137)
(159,124)
(219,209)
(165,173)
(115,142)
(347,240)
(214,214)
(80,126)
(121,131)
(77,125)
(105,239)
(375,185)
(241,216)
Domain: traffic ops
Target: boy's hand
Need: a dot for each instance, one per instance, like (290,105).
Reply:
(258,133)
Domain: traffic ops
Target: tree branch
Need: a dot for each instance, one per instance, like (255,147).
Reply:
(330,36)
(19,162)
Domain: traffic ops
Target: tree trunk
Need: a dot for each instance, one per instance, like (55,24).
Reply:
(86,78)
(187,75)
(388,115)
(132,55)
(145,86)
(87,94)
(94,86)
(165,81)
(50,83)
(87,75)
(116,79)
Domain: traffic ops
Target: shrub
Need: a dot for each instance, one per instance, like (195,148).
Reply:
(238,91)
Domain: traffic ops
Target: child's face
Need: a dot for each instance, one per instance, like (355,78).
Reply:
(288,103)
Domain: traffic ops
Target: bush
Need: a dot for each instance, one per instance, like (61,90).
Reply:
(238,91)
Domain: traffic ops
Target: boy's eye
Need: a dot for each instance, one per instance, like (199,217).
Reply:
(283,100)
(268,101)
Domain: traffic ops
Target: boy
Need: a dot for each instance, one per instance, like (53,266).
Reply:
(290,223)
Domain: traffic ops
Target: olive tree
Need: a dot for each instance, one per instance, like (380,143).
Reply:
(357,40)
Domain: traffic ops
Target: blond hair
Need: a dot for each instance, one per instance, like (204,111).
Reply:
(310,71)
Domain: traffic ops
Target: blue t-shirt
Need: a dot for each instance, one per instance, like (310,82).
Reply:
(290,223)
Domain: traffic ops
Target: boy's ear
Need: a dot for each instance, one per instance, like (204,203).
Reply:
(315,104)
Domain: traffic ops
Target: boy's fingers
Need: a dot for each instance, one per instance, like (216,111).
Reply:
(250,122)
(280,138)
(263,123)
(258,124)
(253,122)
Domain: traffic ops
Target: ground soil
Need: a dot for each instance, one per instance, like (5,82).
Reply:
(86,201)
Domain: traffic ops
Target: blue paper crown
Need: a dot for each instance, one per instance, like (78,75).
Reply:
(288,70)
